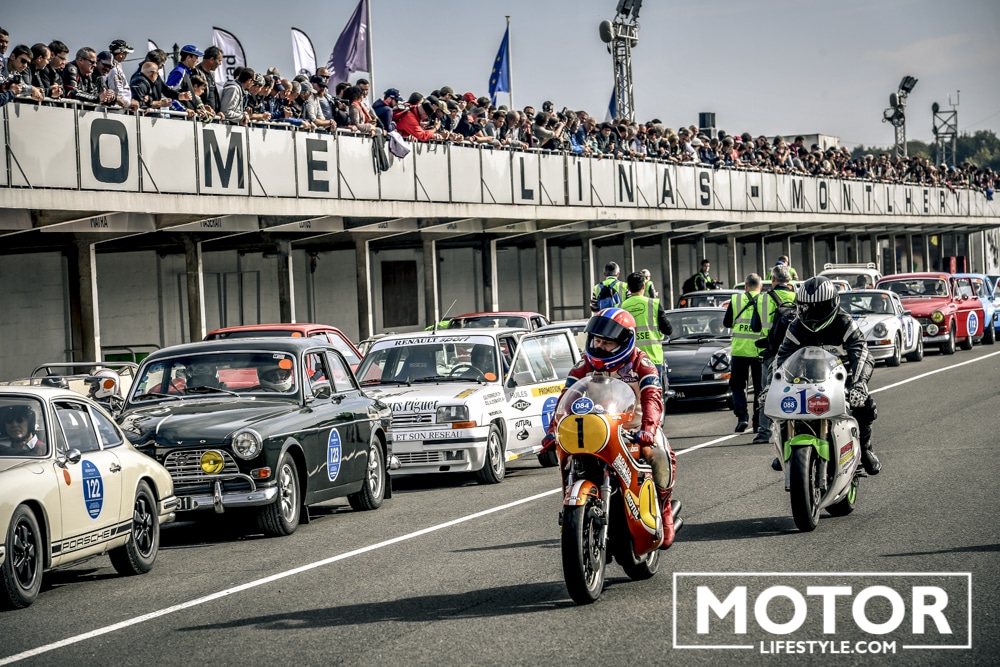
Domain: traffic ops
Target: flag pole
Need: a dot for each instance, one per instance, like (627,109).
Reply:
(371,54)
(510,68)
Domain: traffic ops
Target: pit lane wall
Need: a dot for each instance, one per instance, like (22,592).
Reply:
(93,150)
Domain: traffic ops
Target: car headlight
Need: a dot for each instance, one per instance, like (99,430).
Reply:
(719,362)
(937,316)
(932,329)
(880,330)
(447,414)
(247,444)
(212,462)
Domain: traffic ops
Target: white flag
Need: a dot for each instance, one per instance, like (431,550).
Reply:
(232,52)
(303,52)
(153,47)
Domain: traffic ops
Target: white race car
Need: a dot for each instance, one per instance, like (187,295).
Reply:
(72,487)
(468,400)
(890,331)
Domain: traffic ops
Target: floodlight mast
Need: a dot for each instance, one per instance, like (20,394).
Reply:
(622,36)
(896,114)
(945,130)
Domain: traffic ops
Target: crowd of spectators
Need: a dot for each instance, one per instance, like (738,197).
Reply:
(43,73)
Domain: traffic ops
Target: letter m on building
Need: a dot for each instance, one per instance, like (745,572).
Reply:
(213,154)
(798,201)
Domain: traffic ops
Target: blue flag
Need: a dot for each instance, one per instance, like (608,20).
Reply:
(500,76)
(612,107)
(351,51)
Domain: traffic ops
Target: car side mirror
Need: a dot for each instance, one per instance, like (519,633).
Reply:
(521,378)
(71,456)
(322,389)
(907,312)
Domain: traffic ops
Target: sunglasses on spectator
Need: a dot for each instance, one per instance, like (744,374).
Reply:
(92,62)
(23,61)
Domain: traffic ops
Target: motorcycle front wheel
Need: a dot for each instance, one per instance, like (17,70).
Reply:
(583,559)
(806,473)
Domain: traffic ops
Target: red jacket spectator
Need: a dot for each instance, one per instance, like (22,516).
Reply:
(408,124)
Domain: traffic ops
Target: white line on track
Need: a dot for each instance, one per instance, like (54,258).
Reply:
(372,547)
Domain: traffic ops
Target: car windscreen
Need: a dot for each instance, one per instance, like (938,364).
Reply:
(403,361)
(856,280)
(916,287)
(489,322)
(867,303)
(693,323)
(216,373)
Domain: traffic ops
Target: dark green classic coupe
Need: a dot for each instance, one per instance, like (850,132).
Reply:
(273,424)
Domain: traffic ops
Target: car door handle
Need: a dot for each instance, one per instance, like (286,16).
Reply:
(115,467)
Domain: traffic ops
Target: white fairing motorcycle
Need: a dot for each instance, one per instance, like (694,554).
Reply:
(817,438)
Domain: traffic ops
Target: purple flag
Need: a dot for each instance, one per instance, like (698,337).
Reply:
(351,52)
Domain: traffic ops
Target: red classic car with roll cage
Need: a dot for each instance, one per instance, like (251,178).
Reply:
(945,306)
(324,332)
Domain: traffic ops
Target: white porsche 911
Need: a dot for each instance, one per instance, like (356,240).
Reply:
(890,331)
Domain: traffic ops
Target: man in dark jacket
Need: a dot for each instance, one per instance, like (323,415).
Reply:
(210,62)
(383,108)
(822,323)
(81,81)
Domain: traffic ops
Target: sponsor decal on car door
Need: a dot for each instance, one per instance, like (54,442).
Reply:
(540,367)
(91,502)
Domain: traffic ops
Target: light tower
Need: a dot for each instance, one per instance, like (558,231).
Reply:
(896,113)
(621,36)
(945,130)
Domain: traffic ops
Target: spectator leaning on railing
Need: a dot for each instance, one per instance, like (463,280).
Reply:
(18,74)
(233,105)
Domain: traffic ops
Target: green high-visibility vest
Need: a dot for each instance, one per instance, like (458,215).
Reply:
(615,284)
(767,306)
(647,335)
(744,338)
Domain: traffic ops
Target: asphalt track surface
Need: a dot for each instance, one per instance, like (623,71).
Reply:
(451,572)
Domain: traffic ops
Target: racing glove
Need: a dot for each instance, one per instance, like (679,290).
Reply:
(644,438)
(857,395)
(548,442)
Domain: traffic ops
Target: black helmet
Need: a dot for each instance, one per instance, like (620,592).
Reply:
(818,302)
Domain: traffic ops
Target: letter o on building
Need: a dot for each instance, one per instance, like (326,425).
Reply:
(107,127)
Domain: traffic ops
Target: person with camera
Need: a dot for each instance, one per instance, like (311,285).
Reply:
(18,75)
(411,121)
(546,131)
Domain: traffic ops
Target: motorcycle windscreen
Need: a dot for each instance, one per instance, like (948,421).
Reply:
(810,364)
(598,393)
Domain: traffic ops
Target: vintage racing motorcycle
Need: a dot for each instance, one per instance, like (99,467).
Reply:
(610,505)
(817,438)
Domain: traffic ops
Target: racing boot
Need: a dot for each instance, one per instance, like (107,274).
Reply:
(666,511)
(869,461)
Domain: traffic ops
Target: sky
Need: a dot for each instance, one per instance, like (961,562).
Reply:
(762,66)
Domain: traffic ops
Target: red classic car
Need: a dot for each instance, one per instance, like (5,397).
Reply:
(945,306)
(325,332)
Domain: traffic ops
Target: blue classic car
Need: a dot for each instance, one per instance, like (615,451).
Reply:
(273,424)
(989,294)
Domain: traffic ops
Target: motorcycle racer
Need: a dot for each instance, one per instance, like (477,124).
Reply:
(610,348)
(821,322)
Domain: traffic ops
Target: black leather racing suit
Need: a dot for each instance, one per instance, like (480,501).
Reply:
(843,337)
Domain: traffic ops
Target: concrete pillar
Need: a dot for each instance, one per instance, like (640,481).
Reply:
(893,257)
(909,254)
(877,254)
(195,289)
(588,275)
(836,249)
(927,252)
(809,258)
(363,263)
(628,248)
(667,271)
(491,299)
(286,284)
(854,255)
(762,271)
(731,261)
(84,312)
(702,253)
(787,247)
(542,276)
(432,303)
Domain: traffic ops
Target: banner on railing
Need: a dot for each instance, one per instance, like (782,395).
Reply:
(72,149)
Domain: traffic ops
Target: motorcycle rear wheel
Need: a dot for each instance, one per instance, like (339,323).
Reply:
(806,473)
(583,559)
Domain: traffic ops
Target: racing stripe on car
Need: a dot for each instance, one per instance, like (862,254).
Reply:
(84,540)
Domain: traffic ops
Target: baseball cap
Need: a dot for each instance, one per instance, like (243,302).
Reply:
(273,71)
(470,98)
(318,80)
(193,50)
(120,45)
(391,93)
(106,58)
(258,79)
